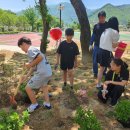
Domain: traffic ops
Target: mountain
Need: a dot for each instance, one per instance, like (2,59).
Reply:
(68,13)
(121,12)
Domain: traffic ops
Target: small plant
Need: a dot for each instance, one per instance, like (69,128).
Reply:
(86,120)
(22,87)
(12,120)
(122,111)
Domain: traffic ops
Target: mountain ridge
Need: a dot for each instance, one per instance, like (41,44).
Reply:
(69,15)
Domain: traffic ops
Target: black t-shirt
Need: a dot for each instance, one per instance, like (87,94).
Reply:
(98,30)
(68,52)
(111,76)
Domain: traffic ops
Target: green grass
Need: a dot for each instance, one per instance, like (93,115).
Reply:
(125,37)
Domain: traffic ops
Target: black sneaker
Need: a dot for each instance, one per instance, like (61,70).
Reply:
(64,86)
(50,94)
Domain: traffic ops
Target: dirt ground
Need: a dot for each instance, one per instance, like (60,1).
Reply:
(64,103)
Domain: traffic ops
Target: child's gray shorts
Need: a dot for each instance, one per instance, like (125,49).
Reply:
(38,81)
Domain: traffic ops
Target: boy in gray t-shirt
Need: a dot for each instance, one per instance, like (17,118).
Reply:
(42,73)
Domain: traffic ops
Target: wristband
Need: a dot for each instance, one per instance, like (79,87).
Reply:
(106,91)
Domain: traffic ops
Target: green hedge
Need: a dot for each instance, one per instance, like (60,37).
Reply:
(11,32)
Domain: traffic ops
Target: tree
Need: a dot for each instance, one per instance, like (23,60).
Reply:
(22,23)
(84,27)
(128,24)
(46,18)
(8,19)
(39,24)
(75,25)
(55,22)
(31,15)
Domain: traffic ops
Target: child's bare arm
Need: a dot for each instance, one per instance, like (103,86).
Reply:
(25,77)
(58,58)
(34,62)
(30,72)
(76,61)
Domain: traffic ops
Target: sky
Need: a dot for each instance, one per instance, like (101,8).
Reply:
(18,5)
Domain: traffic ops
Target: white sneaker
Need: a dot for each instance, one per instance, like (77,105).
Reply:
(98,86)
(47,105)
(33,107)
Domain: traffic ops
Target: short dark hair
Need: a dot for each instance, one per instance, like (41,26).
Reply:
(113,23)
(24,40)
(102,13)
(69,32)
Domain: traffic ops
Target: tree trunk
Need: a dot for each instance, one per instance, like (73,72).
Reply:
(32,27)
(44,13)
(44,43)
(84,28)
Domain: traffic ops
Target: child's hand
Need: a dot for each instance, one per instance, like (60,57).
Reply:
(104,95)
(56,66)
(108,82)
(90,48)
(22,79)
(104,92)
(75,65)
(27,65)
(114,45)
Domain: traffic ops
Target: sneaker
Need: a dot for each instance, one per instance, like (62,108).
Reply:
(50,94)
(64,86)
(32,108)
(113,104)
(98,86)
(47,106)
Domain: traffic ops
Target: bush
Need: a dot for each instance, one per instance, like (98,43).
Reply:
(122,111)
(86,120)
(12,120)
(11,32)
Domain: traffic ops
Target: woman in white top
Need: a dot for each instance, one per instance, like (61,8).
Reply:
(108,42)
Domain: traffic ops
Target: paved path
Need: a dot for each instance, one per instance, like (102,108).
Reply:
(12,39)
(9,42)
(11,48)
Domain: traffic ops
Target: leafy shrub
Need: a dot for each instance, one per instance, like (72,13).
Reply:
(122,111)
(10,32)
(86,120)
(12,120)
(22,87)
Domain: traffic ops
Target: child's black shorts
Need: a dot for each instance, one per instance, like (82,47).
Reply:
(66,66)
(104,57)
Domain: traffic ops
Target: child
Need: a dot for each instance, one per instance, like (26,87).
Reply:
(67,56)
(116,80)
(38,64)
(108,41)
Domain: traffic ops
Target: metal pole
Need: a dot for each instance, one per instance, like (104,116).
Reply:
(60,16)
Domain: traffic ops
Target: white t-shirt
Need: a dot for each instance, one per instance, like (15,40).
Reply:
(108,37)
(43,68)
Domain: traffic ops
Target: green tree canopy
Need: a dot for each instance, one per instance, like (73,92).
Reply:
(31,16)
